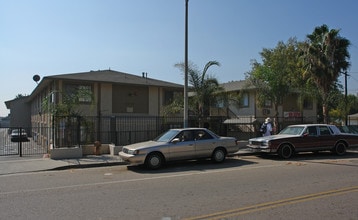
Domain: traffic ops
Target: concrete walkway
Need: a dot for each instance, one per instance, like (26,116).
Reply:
(15,164)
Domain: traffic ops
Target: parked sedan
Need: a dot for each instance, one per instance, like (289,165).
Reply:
(180,144)
(305,138)
(19,135)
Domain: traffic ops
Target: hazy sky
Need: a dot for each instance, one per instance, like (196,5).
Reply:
(51,37)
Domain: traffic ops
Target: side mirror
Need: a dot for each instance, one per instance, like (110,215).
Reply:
(175,140)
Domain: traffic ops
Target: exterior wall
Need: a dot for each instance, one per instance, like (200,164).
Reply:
(105,99)
(155,100)
(129,99)
(353,119)
(110,100)
(291,109)
(20,113)
(250,109)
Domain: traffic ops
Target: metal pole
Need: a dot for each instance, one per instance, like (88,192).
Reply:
(186,67)
(345,99)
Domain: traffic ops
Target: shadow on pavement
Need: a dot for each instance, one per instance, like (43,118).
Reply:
(323,155)
(192,165)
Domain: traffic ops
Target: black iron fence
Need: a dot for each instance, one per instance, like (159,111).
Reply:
(120,130)
(20,141)
(123,130)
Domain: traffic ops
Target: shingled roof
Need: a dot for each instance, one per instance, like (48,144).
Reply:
(114,77)
(106,76)
(236,86)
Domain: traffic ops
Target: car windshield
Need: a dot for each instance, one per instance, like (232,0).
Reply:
(167,136)
(17,131)
(293,130)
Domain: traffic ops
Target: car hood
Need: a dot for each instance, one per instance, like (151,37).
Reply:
(273,137)
(145,144)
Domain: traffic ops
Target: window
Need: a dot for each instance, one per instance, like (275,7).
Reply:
(268,103)
(170,96)
(130,99)
(312,131)
(244,101)
(202,135)
(83,93)
(324,130)
(308,104)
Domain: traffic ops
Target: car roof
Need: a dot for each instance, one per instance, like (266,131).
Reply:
(304,125)
(182,129)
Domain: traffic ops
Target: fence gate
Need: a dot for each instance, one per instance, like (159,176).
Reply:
(21,144)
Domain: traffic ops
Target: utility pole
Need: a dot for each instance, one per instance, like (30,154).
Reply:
(186,67)
(345,97)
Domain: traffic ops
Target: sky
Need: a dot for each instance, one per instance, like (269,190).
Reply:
(51,37)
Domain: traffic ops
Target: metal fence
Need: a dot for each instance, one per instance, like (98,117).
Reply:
(123,130)
(120,130)
(21,144)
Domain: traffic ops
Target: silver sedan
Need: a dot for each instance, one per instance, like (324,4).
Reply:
(180,144)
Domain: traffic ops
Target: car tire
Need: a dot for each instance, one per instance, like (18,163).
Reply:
(218,155)
(285,151)
(340,149)
(154,161)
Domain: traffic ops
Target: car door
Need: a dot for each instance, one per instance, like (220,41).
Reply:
(326,138)
(205,143)
(184,147)
(309,140)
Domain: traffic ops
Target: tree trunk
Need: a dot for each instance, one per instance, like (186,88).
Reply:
(325,113)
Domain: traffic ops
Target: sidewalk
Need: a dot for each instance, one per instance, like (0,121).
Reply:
(15,164)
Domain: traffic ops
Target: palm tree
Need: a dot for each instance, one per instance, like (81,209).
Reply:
(326,57)
(203,86)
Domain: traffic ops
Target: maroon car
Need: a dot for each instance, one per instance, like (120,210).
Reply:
(305,138)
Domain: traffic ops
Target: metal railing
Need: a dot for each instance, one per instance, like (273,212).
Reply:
(123,130)
(20,143)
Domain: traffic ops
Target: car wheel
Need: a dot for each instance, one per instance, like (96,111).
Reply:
(219,155)
(285,151)
(340,149)
(154,161)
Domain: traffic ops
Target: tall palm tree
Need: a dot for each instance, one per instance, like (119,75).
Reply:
(203,86)
(326,58)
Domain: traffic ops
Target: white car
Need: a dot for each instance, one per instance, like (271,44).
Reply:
(180,144)
(19,136)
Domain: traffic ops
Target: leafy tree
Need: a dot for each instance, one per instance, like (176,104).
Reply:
(340,106)
(203,86)
(175,107)
(326,54)
(68,108)
(71,100)
(275,77)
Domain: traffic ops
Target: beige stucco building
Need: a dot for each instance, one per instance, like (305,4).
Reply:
(245,115)
(112,94)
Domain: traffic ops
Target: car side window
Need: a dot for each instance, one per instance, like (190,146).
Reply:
(323,130)
(185,136)
(312,131)
(202,135)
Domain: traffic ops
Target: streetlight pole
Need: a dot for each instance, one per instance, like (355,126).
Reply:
(345,98)
(186,68)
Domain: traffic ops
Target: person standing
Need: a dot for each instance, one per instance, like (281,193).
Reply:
(266,127)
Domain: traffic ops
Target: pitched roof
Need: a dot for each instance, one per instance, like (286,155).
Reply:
(114,77)
(105,76)
(236,85)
